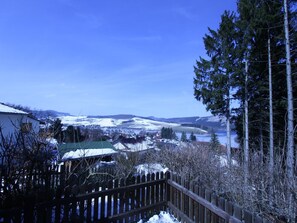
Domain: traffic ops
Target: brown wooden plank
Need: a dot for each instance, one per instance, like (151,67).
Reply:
(229,207)
(116,198)
(138,192)
(201,206)
(96,205)
(257,219)
(214,201)
(58,196)
(237,212)
(110,199)
(208,212)
(196,204)
(221,205)
(168,187)
(122,197)
(89,202)
(148,191)
(153,188)
(102,204)
(248,217)
(157,189)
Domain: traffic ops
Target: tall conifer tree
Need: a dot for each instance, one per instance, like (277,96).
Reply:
(214,77)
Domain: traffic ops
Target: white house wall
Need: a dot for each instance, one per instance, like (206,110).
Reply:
(11,123)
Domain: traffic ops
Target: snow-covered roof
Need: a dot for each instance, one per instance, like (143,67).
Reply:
(83,153)
(134,147)
(7,109)
(85,149)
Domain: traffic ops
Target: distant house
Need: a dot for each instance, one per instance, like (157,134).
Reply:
(73,153)
(13,121)
(138,144)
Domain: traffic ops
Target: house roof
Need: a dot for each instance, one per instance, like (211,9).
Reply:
(134,147)
(10,110)
(85,149)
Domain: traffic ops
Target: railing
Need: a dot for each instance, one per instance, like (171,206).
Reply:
(190,203)
(129,200)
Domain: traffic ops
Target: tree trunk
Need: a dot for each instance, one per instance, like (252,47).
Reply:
(271,143)
(246,126)
(228,130)
(290,127)
(228,140)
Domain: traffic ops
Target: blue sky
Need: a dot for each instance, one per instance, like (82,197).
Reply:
(104,57)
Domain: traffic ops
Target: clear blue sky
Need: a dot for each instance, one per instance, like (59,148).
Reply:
(103,57)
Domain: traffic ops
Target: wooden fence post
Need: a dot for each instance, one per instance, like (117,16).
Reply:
(29,203)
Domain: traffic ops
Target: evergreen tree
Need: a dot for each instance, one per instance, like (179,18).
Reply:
(214,142)
(183,137)
(214,78)
(193,137)
(167,133)
(260,21)
(56,130)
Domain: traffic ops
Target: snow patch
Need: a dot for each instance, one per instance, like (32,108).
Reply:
(224,162)
(52,141)
(150,168)
(163,217)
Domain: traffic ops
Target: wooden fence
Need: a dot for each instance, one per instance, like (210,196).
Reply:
(120,201)
(189,202)
(129,200)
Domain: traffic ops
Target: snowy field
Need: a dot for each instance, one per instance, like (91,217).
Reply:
(163,217)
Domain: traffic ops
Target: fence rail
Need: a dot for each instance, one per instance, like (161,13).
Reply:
(129,200)
(191,203)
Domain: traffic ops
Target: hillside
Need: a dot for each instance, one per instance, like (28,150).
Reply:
(127,122)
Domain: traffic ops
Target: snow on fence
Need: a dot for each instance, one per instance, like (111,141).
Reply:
(129,200)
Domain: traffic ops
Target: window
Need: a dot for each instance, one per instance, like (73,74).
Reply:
(26,127)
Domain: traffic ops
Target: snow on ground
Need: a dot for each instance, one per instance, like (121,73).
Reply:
(150,168)
(87,153)
(163,217)
(137,123)
(84,120)
(150,124)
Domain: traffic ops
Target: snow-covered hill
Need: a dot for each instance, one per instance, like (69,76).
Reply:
(128,123)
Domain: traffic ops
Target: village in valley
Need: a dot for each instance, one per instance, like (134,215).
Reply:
(101,139)
(82,150)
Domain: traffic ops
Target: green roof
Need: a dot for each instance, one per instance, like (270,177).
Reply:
(67,147)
